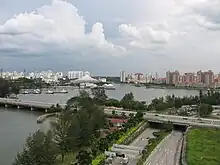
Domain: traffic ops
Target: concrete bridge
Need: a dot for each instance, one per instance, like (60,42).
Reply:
(177,120)
(152,117)
(27,104)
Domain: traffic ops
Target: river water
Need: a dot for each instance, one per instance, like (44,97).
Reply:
(16,125)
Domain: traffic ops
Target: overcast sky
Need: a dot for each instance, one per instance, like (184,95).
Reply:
(106,36)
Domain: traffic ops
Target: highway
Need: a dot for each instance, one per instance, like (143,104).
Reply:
(203,122)
(142,141)
(166,153)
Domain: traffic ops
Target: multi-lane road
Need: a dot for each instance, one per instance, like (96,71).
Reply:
(204,122)
(166,152)
(148,116)
(142,141)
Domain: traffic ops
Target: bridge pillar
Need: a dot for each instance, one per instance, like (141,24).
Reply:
(32,108)
(18,107)
(45,110)
(6,105)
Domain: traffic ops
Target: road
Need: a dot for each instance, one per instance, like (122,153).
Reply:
(148,116)
(142,141)
(172,118)
(166,153)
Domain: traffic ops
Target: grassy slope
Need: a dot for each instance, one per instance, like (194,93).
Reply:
(203,147)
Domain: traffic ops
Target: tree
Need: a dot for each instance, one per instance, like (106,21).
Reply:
(4,88)
(128,97)
(123,114)
(100,96)
(178,103)
(84,157)
(205,109)
(127,101)
(14,89)
(113,113)
(23,158)
(103,144)
(39,149)
(200,95)
(61,127)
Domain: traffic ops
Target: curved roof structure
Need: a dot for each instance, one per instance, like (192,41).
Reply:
(85,79)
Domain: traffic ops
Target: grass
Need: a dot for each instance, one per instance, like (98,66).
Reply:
(203,147)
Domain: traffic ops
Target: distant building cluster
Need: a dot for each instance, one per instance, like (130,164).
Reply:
(191,79)
(47,76)
(141,78)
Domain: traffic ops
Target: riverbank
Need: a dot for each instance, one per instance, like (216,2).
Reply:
(43,117)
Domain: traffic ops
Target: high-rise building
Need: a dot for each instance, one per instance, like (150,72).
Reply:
(168,77)
(122,76)
(200,77)
(172,77)
(208,78)
(175,77)
(189,79)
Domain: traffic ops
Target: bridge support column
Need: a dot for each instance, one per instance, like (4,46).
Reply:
(6,105)
(18,107)
(32,108)
(45,110)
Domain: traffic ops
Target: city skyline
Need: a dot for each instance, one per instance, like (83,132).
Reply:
(154,35)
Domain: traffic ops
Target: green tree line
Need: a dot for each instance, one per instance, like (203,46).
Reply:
(77,130)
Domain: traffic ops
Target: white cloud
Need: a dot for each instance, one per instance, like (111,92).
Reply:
(183,34)
(58,25)
(145,34)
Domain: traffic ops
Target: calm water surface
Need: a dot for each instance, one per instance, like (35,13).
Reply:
(16,125)
(140,93)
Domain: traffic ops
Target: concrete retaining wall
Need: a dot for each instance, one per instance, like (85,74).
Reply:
(183,152)
(178,152)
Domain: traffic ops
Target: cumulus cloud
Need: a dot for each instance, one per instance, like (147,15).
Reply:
(146,34)
(206,13)
(56,26)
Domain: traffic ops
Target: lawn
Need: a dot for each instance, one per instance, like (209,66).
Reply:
(203,147)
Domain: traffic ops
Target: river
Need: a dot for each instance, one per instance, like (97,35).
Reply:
(16,125)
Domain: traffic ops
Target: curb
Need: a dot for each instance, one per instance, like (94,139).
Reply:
(156,148)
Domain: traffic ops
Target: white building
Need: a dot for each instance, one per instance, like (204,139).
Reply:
(122,76)
(75,74)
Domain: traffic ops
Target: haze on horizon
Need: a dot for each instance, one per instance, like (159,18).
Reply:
(105,37)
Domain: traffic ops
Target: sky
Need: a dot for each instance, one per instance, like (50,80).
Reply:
(105,37)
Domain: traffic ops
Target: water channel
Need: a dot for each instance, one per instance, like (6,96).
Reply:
(16,125)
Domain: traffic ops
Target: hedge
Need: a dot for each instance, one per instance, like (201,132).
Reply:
(99,160)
